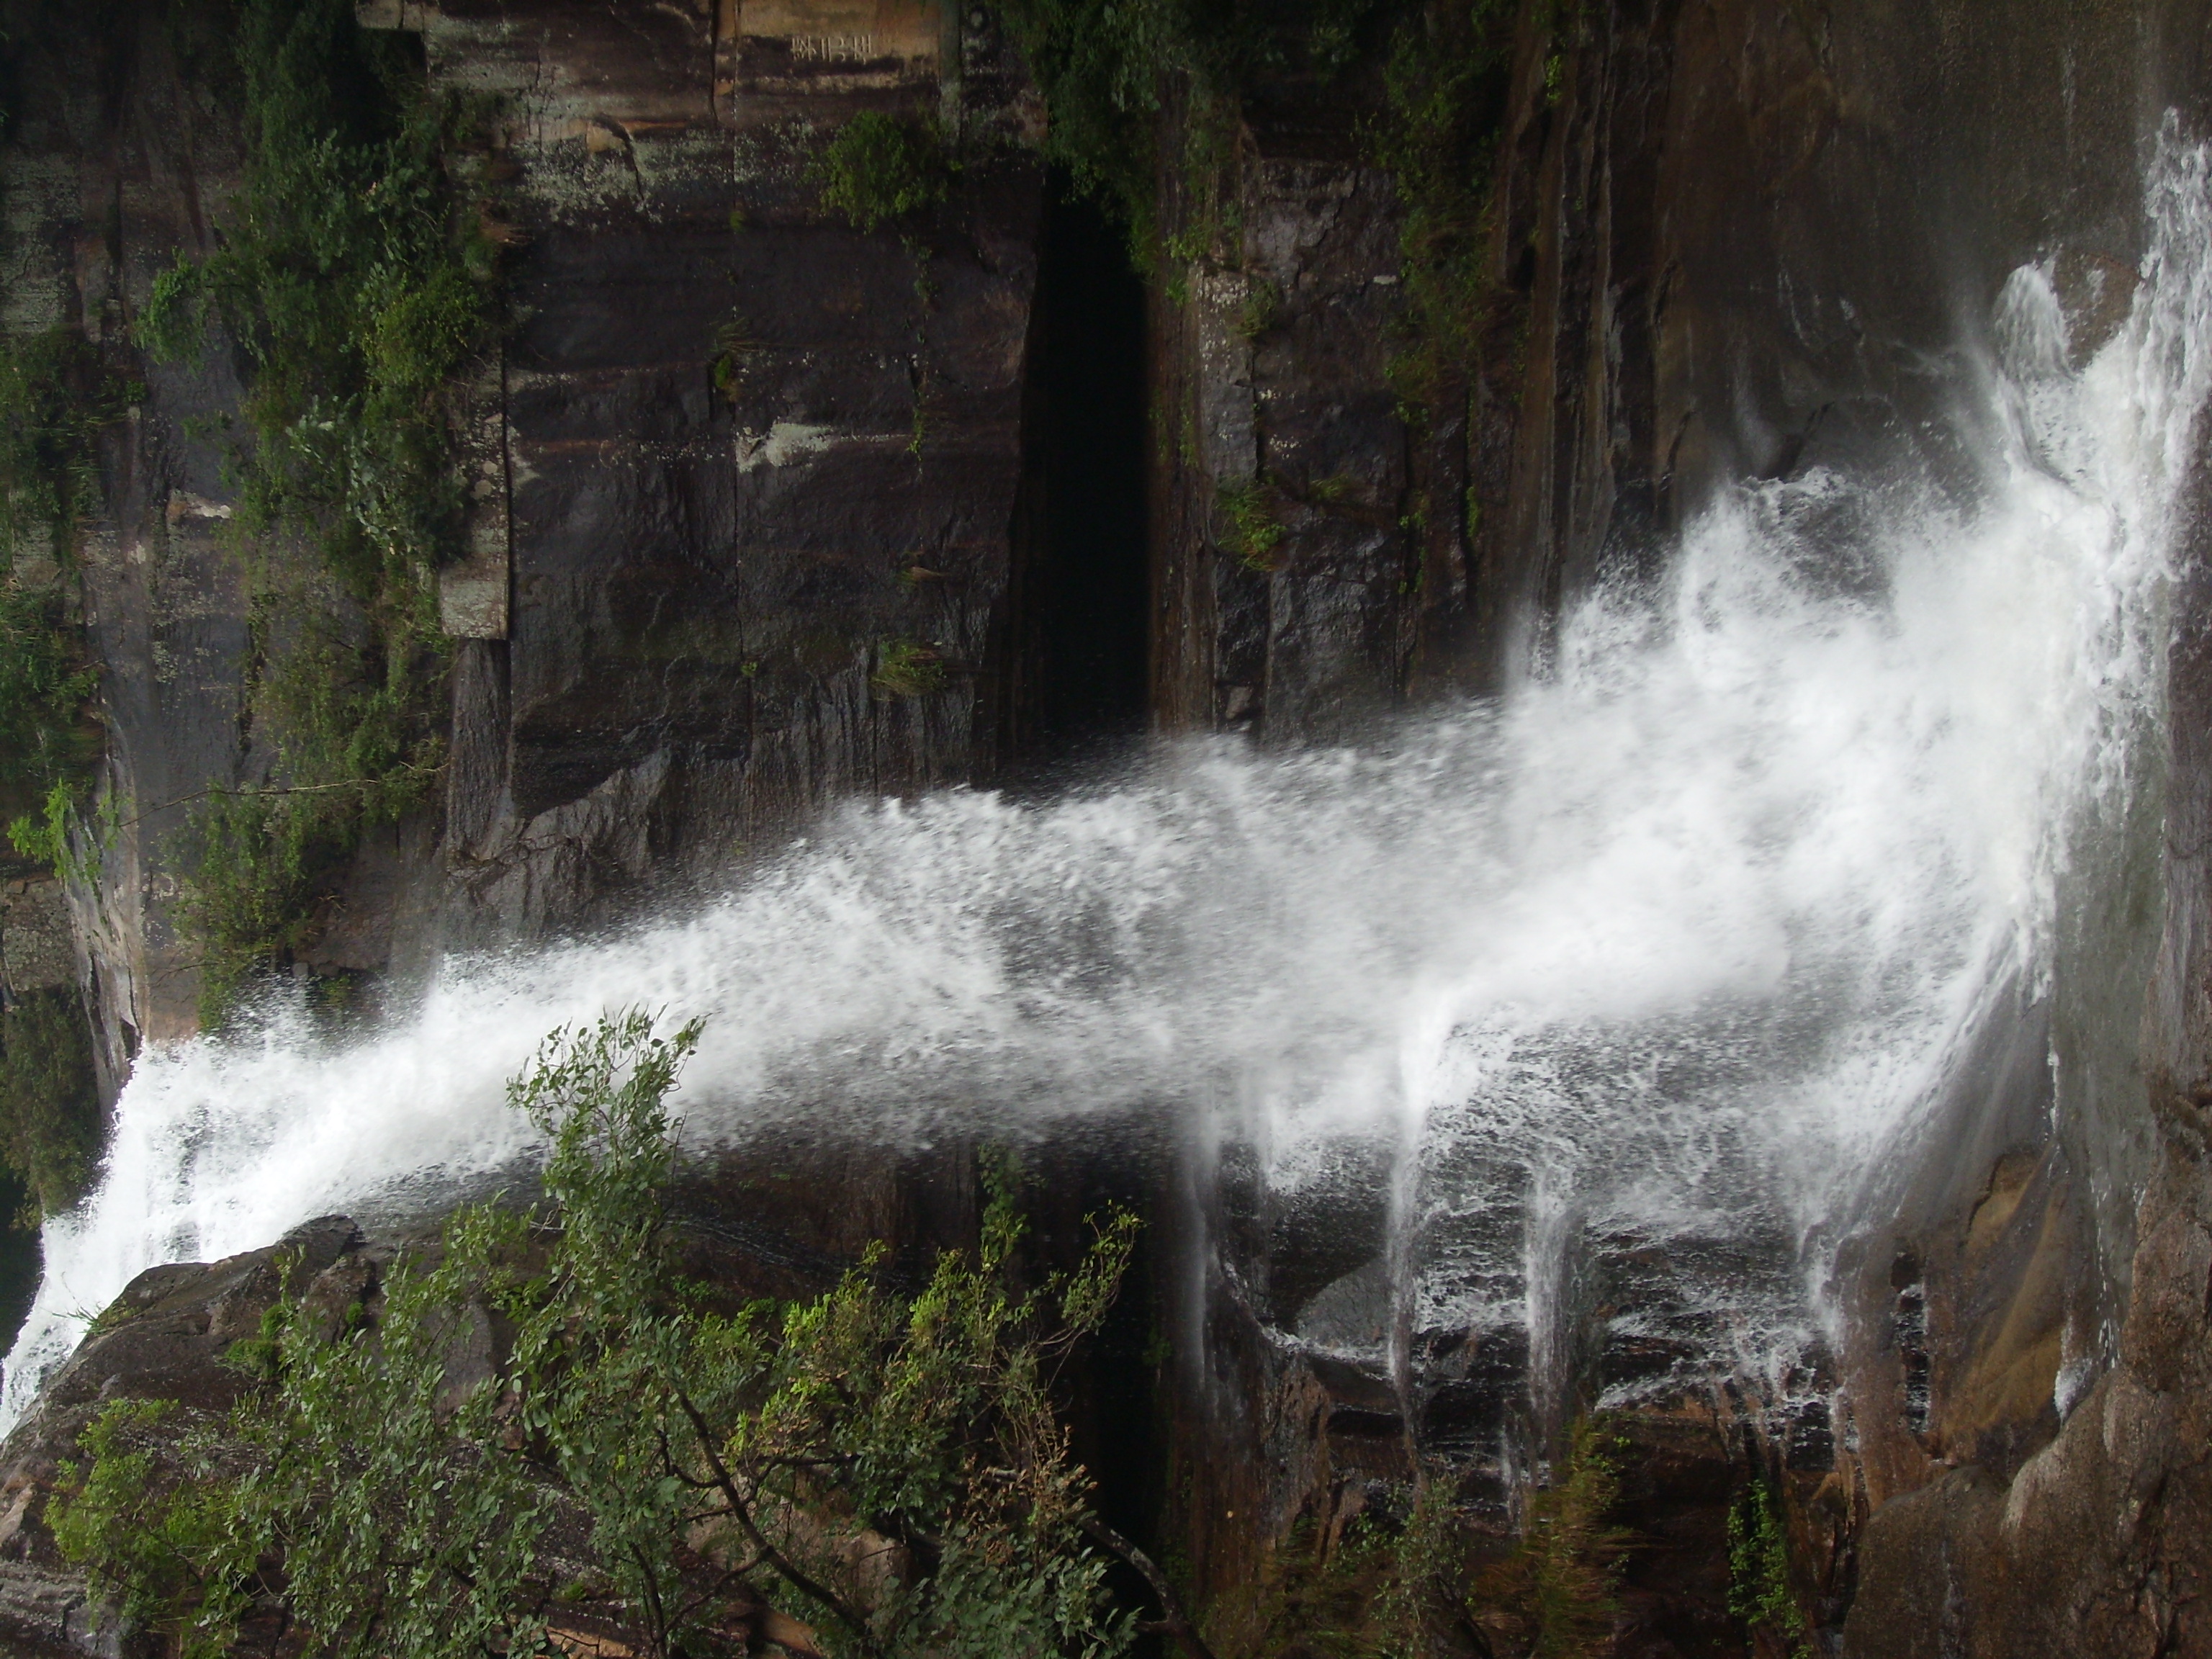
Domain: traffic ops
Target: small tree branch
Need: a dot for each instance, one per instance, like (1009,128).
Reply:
(1176,1623)
(792,1574)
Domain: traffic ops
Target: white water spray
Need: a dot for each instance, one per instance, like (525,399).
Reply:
(1674,944)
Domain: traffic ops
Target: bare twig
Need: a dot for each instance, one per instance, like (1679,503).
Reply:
(1176,1623)
(789,1572)
(278,789)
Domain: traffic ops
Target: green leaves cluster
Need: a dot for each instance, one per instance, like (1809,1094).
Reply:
(877,167)
(1427,1580)
(1107,69)
(1447,86)
(908,668)
(50,1119)
(1554,1597)
(1758,1571)
(1255,528)
(550,1435)
(163,1534)
(357,280)
(56,396)
(46,736)
(345,282)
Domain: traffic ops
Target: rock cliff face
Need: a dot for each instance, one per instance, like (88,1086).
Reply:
(679,590)
(704,578)
(1723,241)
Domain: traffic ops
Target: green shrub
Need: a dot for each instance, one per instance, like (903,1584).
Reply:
(1555,1596)
(1254,531)
(56,396)
(1107,68)
(877,167)
(907,668)
(1262,307)
(1447,86)
(355,301)
(1758,1571)
(1399,1574)
(45,682)
(357,278)
(50,1119)
(870,1473)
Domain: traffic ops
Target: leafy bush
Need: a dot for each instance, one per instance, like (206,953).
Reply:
(1394,1579)
(261,859)
(907,668)
(45,682)
(49,1103)
(342,280)
(877,167)
(1106,68)
(868,1474)
(1758,1571)
(356,302)
(1554,1597)
(56,395)
(1255,530)
(1447,85)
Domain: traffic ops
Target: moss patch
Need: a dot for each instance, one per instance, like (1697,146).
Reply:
(878,167)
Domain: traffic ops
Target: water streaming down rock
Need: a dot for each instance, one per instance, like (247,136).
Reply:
(1624,992)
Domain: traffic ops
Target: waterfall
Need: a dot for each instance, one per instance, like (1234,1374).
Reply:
(1678,942)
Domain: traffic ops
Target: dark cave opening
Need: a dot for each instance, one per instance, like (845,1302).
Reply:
(1075,676)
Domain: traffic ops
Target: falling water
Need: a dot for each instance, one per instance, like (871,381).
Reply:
(1676,944)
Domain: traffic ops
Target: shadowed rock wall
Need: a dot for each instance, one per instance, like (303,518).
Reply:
(705,576)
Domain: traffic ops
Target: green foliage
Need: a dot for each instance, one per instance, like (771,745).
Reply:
(56,397)
(341,280)
(1758,1571)
(1263,303)
(1554,1597)
(1424,1578)
(1107,67)
(867,1474)
(1426,1570)
(344,280)
(1254,531)
(1391,1587)
(155,1530)
(72,844)
(1447,83)
(261,859)
(50,1119)
(46,735)
(878,167)
(1306,1598)
(1101,66)
(907,668)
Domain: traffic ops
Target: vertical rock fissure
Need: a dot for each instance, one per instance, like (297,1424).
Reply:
(1073,676)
